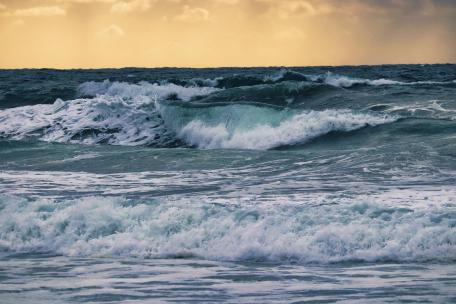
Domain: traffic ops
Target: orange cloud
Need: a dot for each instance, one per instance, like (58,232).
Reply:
(131,6)
(193,14)
(226,32)
(112,31)
(39,11)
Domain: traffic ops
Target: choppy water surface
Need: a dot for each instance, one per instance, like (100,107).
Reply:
(231,185)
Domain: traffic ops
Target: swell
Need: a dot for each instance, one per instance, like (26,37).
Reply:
(29,87)
(287,75)
(358,231)
(258,117)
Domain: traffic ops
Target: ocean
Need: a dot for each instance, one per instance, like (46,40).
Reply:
(230,185)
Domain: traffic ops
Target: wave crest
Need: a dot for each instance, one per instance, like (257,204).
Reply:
(262,128)
(328,78)
(158,91)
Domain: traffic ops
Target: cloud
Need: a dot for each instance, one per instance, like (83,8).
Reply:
(40,11)
(86,1)
(291,33)
(306,7)
(131,6)
(193,14)
(112,31)
(230,2)
(298,8)
(2,7)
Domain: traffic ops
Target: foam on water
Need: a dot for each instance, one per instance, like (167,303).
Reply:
(102,119)
(124,116)
(119,114)
(155,90)
(96,226)
(344,81)
(240,128)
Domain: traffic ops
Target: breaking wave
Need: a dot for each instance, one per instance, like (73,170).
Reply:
(288,111)
(115,113)
(96,226)
(145,89)
(259,128)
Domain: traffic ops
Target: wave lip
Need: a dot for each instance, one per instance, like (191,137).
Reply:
(157,91)
(298,128)
(346,81)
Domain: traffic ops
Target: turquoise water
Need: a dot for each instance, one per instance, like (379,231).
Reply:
(228,185)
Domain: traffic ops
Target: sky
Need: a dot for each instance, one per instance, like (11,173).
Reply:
(215,33)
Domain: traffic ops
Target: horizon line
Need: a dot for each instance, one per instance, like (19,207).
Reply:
(220,67)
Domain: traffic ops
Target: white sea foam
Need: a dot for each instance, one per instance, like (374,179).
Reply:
(299,128)
(96,226)
(100,119)
(155,90)
(346,81)
(120,113)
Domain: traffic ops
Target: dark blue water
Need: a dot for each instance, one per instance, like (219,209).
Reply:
(233,185)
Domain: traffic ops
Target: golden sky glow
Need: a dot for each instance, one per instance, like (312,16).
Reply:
(201,33)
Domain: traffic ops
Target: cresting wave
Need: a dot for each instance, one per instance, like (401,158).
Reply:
(143,89)
(126,114)
(118,114)
(283,75)
(203,113)
(257,128)
(96,226)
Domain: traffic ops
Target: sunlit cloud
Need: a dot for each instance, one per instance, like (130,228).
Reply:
(193,14)
(40,11)
(230,2)
(113,31)
(86,1)
(289,8)
(131,6)
(228,32)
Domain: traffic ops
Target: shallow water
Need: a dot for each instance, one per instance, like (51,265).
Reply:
(57,279)
(232,185)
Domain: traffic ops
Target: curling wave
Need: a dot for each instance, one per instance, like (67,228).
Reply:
(259,128)
(126,114)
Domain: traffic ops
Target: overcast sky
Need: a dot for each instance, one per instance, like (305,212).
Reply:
(199,33)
